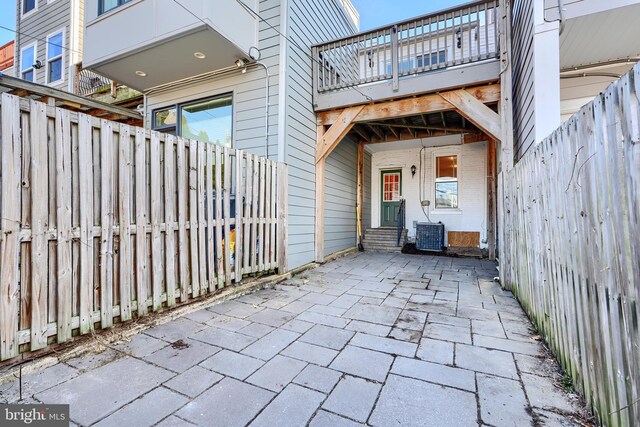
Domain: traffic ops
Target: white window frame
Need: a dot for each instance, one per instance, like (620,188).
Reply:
(446,153)
(22,70)
(61,56)
(31,12)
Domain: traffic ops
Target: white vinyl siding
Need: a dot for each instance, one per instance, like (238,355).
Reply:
(523,77)
(310,22)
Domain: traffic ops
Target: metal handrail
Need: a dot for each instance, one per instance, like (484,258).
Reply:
(401,219)
(455,36)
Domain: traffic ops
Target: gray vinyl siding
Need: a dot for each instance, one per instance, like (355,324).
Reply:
(366,211)
(340,197)
(49,18)
(248,91)
(310,22)
(523,77)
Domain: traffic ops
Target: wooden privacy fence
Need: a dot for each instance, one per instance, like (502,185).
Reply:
(574,256)
(102,222)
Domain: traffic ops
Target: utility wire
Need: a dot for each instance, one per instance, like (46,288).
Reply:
(40,39)
(293,42)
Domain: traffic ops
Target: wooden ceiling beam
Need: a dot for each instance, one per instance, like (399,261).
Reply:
(376,130)
(451,129)
(363,134)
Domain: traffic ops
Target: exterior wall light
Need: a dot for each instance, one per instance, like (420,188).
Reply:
(413,170)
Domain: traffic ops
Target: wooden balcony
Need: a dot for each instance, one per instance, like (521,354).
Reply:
(453,48)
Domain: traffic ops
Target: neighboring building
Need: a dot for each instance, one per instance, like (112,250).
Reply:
(49,41)
(7,58)
(49,51)
(564,54)
(193,59)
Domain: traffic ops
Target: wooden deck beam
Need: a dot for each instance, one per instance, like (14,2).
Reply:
(433,103)
(475,111)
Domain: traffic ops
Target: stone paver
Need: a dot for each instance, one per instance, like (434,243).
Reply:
(368,339)
(182,355)
(193,381)
(434,372)
(327,337)
(228,403)
(353,398)
(318,378)
(101,391)
(232,364)
(147,410)
(502,401)
(293,407)
(364,363)
(409,402)
(310,353)
(277,373)
(327,419)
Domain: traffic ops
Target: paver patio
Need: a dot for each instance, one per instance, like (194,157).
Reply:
(375,339)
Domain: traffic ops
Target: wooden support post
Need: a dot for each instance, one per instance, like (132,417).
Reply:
(360,198)
(491,198)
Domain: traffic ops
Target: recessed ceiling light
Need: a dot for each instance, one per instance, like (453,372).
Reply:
(141,73)
(199,55)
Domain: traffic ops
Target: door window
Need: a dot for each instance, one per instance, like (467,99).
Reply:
(391,187)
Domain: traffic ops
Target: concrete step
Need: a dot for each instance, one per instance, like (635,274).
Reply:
(382,249)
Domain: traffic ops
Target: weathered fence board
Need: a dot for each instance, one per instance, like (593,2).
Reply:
(573,259)
(102,222)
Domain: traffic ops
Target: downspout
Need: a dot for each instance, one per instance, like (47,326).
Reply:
(267,103)
(282,81)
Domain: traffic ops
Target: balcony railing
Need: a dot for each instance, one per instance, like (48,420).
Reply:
(445,39)
(88,82)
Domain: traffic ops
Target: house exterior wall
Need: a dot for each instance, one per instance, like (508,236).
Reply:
(48,18)
(292,120)
(472,188)
(341,192)
(309,22)
(523,77)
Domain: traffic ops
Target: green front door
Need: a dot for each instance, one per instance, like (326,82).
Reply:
(391,185)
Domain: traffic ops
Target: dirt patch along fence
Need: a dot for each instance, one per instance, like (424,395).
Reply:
(573,259)
(103,222)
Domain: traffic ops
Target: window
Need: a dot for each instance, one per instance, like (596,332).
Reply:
(391,190)
(404,66)
(55,45)
(27,61)
(28,6)
(208,120)
(433,59)
(105,6)
(447,182)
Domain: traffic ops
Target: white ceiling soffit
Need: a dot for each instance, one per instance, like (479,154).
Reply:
(600,37)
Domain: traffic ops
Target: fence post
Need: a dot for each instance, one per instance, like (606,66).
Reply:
(283,205)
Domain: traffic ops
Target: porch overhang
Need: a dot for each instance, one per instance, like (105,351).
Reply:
(471,113)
